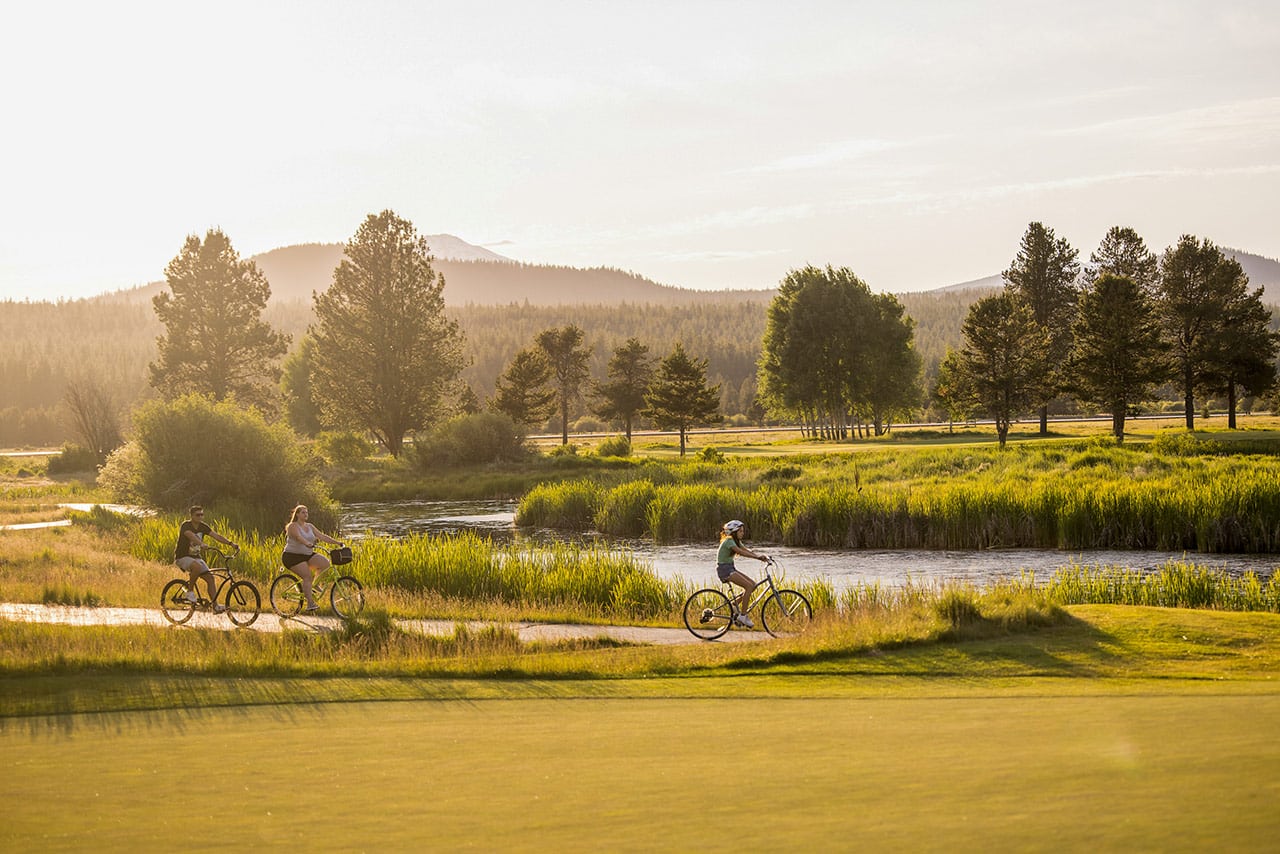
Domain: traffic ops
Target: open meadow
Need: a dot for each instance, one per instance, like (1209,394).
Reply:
(1093,710)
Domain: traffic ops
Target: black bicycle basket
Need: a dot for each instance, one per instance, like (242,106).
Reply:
(340,555)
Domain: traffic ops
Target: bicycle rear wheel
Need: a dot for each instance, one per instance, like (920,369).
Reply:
(286,595)
(347,597)
(707,614)
(244,603)
(173,601)
(786,613)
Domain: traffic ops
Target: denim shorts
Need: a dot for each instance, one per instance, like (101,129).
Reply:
(724,570)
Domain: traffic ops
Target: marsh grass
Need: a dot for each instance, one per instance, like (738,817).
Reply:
(1178,493)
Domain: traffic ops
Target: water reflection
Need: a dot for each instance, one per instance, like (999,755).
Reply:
(843,568)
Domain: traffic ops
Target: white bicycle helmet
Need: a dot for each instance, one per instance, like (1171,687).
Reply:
(733,526)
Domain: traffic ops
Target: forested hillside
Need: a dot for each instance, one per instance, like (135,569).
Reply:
(296,271)
(45,345)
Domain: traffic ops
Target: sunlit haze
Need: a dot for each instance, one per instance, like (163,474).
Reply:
(700,144)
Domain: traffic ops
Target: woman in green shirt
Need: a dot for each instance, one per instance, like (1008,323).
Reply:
(730,545)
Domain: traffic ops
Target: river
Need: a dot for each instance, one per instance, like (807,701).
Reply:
(843,568)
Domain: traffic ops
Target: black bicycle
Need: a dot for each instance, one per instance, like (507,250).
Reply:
(241,603)
(346,594)
(709,613)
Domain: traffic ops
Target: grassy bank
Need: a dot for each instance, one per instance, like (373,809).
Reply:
(1177,493)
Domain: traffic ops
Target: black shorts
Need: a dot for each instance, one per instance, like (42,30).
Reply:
(292,559)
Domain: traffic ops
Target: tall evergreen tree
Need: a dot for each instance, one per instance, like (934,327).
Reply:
(1123,252)
(1197,284)
(630,372)
(1005,359)
(386,356)
(679,397)
(523,391)
(568,359)
(1118,353)
(1242,357)
(1043,276)
(216,343)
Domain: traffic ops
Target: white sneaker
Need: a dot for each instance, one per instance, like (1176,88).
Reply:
(191,597)
(744,620)
(219,609)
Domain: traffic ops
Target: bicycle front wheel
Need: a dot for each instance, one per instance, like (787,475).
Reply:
(707,614)
(244,603)
(347,597)
(786,613)
(174,602)
(286,595)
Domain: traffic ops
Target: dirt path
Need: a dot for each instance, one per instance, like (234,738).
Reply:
(268,622)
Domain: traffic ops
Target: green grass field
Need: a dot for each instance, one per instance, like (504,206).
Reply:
(1149,770)
(1121,728)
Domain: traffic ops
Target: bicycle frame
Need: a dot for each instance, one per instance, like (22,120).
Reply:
(765,588)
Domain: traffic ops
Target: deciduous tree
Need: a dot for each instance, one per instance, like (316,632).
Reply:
(94,416)
(386,356)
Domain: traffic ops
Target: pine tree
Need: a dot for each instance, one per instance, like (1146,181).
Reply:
(1043,276)
(386,357)
(523,391)
(679,397)
(1005,359)
(1118,354)
(630,372)
(216,343)
(568,359)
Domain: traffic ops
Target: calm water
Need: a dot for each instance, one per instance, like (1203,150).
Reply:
(842,567)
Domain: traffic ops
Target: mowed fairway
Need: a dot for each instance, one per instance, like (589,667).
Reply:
(938,765)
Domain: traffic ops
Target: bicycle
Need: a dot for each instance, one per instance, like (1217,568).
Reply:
(179,599)
(346,594)
(711,612)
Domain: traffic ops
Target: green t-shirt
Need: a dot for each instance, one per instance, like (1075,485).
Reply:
(725,555)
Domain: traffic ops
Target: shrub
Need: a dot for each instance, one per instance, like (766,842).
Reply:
(483,437)
(569,450)
(343,448)
(73,459)
(710,455)
(195,451)
(614,446)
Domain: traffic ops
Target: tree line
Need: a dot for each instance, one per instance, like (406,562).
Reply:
(1111,333)
(826,352)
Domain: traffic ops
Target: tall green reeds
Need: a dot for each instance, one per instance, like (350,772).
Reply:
(1087,496)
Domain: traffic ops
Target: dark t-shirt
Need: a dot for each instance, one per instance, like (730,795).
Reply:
(183,549)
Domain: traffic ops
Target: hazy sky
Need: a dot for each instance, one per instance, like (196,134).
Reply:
(701,144)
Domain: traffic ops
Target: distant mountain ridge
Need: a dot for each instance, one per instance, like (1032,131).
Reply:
(475,276)
(1262,272)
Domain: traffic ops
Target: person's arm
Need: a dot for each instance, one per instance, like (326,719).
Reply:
(746,552)
(321,535)
(223,539)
